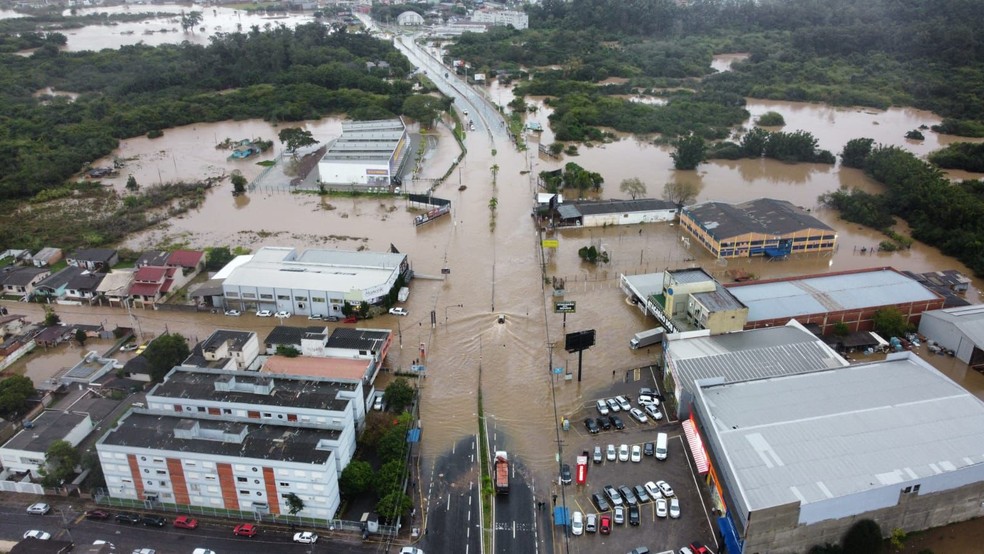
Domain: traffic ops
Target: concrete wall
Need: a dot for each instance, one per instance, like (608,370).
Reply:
(630,218)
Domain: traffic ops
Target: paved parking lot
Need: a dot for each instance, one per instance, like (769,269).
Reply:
(658,534)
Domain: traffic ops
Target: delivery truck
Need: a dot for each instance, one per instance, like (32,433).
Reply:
(501,467)
(646,338)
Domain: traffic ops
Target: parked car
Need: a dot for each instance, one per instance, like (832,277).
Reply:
(577,524)
(185,522)
(628,495)
(606,524)
(653,412)
(613,495)
(602,407)
(618,514)
(351,319)
(648,449)
(282,314)
(610,453)
(305,537)
(639,550)
(623,403)
(633,515)
(653,490)
(600,502)
(638,415)
(127,517)
(97,514)
(264,313)
(636,455)
(399,311)
(699,548)
(591,425)
(38,509)
(37,534)
(661,507)
(616,422)
(641,494)
(665,488)
(597,458)
(244,530)
(674,507)
(623,453)
(202,551)
(153,521)
(646,391)
(233,313)
(565,474)
(591,523)
(604,423)
(129,347)
(613,405)
(646,400)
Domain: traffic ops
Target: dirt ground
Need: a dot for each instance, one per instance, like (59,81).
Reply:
(957,538)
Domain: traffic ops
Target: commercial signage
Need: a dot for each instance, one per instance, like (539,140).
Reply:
(565,307)
(550,243)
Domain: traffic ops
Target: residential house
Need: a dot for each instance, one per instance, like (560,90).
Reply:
(156,258)
(115,287)
(151,284)
(191,262)
(82,287)
(56,286)
(46,256)
(25,452)
(224,349)
(94,259)
(20,281)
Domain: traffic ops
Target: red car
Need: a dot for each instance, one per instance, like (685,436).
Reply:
(606,525)
(351,319)
(244,530)
(699,548)
(185,522)
(97,514)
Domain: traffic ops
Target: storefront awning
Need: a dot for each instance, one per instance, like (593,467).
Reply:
(696,446)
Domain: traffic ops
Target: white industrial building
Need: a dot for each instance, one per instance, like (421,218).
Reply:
(368,154)
(317,282)
(25,452)
(797,459)
(958,329)
(236,441)
(519,20)
(601,213)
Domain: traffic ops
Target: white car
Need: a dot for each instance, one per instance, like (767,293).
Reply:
(202,551)
(306,537)
(264,313)
(638,415)
(613,405)
(282,314)
(674,508)
(660,507)
(636,453)
(577,524)
(233,313)
(653,490)
(610,453)
(646,399)
(38,508)
(36,534)
(398,311)
(623,453)
(623,403)
(602,407)
(665,488)
(411,550)
(653,412)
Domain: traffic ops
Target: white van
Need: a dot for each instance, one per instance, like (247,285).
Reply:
(661,449)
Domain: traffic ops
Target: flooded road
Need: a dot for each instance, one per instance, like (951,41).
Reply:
(494,257)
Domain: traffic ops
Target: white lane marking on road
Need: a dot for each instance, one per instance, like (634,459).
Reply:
(449,502)
(514,529)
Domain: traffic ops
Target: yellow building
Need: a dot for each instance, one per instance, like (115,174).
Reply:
(762,227)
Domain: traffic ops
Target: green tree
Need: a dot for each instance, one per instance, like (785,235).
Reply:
(294,503)
(14,393)
(295,137)
(690,152)
(356,478)
(841,329)
(864,537)
(423,109)
(60,460)
(239,184)
(394,505)
(389,477)
(288,351)
(165,352)
(190,20)
(633,186)
(771,119)
(217,257)
(131,184)
(681,193)
(856,151)
(890,322)
(80,337)
(399,394)
(753,143)
(50,317)
(392,445)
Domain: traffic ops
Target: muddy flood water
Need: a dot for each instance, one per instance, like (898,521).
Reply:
(495,259)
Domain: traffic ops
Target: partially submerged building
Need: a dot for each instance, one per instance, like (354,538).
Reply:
(368,154)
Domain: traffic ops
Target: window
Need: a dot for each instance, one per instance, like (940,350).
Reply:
(256,481)
(249,295)
(283,297)
(316,299)
(146,470)
(194,487)
(241,479)
(161,472)
(232,294)
(259,493)
(300,299)
(226,411)
(284,484)
(243,492)
(266,296)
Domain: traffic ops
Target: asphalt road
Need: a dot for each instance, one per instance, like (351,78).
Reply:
(454,520)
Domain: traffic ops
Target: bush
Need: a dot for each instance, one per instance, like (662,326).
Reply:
(864,537)
(771,119)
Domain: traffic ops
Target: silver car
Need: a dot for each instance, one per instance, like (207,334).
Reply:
(613,405)
(602,407)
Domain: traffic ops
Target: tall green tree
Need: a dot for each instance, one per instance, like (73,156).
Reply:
(294,503)
(690,152)
(356,478)
(633,186)
(165,352)
(399,394)
(681,193)
(60,460)
(14,393)
(394,505)
(295,137)
(190,20)
(890,322)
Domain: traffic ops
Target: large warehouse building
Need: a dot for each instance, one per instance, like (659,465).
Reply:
(762,227)
(317,282)
(958,329)
(851,297)
(798,459)
(367,155)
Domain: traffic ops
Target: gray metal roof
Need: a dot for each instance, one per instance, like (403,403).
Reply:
(50,426)
(719,300)
(829,434)
(746,355)
(969,320)
(828,293)
(765,215)
(615,206)
(689,275)
(568,211)
(646,284)
(320,270)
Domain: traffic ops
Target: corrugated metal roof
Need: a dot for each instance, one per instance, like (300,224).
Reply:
(829,434)
(646,284)
(615,206)
(828,293)
(764,215)
(968,319)
(315,269)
